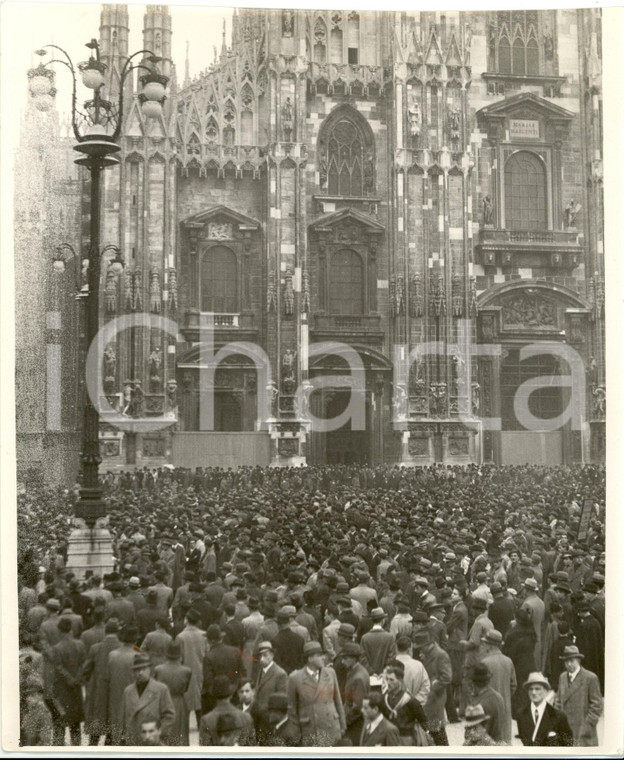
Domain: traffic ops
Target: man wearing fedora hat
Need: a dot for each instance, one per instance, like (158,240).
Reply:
(315,704)
(490,699)
(539,723)
(579,698)
(503,674)
(536,609)
(144,700)
(473,646)
(378,646)
(475,730)
(177,678)
(438,666)
(270,680)
(356,686)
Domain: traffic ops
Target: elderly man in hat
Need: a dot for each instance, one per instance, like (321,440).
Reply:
(438,666)
(475,728)
(315,704)
(142,701)
(536,609)
(579,698)
(271,679)
(356,685)
(503,676)
(489,699)
(539,723)
(378,645)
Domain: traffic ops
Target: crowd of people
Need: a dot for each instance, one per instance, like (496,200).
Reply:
(319,606)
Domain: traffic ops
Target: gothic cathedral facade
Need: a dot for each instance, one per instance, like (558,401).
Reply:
(379,180)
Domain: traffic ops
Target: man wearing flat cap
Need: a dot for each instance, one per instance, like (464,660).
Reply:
(144,701)
(315,704)
(579,698)
(539,723)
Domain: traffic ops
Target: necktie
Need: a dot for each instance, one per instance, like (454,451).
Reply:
(569,678)
(536,715)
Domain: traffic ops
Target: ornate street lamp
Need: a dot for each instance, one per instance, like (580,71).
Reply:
(97,126)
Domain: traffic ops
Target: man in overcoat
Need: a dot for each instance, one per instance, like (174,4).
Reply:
(438,666)
(315,705)
(144,701)
(119,674)
(457,631)
(68,656)
(193,646)
(503,676)
(271,679)
(95,669)
(378,645)
(356,687)
(579,698)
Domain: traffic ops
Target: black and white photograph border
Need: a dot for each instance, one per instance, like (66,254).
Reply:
(309,317)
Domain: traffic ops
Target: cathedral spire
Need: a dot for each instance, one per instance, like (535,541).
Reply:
(187,68)
(114,29)
(223,45)
(157,35)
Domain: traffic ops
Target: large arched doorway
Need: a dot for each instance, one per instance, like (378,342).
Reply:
(367,437)
(528,392)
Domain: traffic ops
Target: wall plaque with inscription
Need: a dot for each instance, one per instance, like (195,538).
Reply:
(527,128)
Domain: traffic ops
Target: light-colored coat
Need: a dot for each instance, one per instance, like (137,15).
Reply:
(119,674)
(438,666)
(315,707)
(154,704)
(503,681)
(194,646)
(581,702)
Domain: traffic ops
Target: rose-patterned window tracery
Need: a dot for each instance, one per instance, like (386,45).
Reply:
(346,156)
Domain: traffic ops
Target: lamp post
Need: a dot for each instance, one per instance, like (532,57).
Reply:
(96,126)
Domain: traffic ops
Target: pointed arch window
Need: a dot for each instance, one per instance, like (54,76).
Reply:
(346,283)
(346,159)
(320,41)
(219,281)
(513,47)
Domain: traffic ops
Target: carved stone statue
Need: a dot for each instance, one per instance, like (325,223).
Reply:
(110,362)
(571,212)
(155,361)
(488,210)
(288,23)
(287,119)
(172,395)
(399,402)
(413,115)
(600,400)
(322,172)
(288,364)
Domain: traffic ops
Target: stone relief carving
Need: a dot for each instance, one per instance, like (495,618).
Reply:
(529,311)
(218,231)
